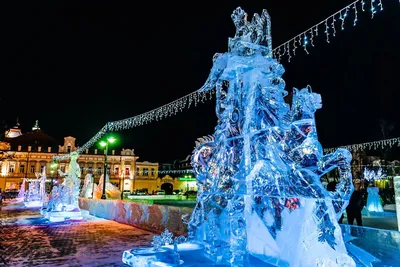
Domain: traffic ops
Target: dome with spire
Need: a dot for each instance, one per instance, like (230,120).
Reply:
(14,131)
(36,138)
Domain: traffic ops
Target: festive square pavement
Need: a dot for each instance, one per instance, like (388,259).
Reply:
(30,240)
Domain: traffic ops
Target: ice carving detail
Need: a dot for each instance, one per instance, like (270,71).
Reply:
(259,174)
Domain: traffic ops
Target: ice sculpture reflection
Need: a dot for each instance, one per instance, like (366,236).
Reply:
(260,193)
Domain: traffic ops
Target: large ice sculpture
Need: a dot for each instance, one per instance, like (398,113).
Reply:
(112,192)
(260,197)
(374,203)
(88,186)
(63,201)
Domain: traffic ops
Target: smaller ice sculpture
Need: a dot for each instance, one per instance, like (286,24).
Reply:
(88,186)
(112,192)
(33,195)
(373,200)
(21,193)
(165,251)
(63,201)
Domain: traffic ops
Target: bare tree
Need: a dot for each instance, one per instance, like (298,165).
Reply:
(386,128)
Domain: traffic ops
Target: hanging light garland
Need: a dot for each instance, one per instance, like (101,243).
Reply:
(156,114)
(286,49)
(140,173)
(330,24)
(368,146)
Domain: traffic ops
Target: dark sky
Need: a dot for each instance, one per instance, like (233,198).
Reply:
(76,69)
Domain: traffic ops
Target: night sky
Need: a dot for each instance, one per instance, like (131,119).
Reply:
(76,69)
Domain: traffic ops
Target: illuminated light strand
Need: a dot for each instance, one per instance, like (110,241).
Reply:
(327,31)
(333,26)
(369,145)
(355,15)
(180,104)
(156,114)
(140,173)
(331,30)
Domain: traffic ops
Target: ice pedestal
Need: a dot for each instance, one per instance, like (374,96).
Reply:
(60,216)
(33,204)
(367,246)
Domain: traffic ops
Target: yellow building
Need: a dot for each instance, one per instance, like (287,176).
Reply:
(23,155)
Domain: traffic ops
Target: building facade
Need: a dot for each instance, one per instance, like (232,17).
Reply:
(25,155)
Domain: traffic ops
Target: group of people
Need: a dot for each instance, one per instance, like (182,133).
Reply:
(356,203)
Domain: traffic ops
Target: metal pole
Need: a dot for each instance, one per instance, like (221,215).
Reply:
(103,196)
(92,175)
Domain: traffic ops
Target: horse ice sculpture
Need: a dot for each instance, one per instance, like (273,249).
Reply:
(260,197)
(63,201)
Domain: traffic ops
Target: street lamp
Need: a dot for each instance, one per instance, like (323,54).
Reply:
(109,140)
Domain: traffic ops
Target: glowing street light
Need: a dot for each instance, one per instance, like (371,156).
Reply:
(105,143)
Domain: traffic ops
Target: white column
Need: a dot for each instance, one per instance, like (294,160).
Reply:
(396,183)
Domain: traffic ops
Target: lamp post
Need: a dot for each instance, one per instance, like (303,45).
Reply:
(92,177)
(105,143)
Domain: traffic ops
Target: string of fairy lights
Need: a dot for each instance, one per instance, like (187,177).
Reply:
(329,27)
(100,170)
(287,49)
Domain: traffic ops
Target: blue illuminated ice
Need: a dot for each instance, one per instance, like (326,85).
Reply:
(374,203)
(260,200)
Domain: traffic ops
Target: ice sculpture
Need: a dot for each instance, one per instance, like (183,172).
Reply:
(63,201)
(88,186)
(42,191)
(21,193)
(260,197)
(33,198)
(374,203)
(112,192)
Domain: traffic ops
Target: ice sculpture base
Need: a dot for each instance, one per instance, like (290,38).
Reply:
(365,245)
(60,216)
(191,254)
(33,204)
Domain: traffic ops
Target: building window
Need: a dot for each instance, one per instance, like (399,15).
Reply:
(152,172)
(21,168)
(12,168)
(116,171)
(145,172)
(62,168)
(41,168)
(32,169)
(98,170)
(69,149)
(137,172)
(126,171)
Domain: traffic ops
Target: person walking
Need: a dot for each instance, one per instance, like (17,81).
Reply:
(356,205)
